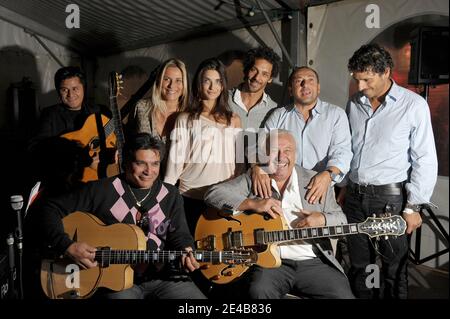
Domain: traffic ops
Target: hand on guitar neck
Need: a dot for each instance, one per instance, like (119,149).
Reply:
(189,262)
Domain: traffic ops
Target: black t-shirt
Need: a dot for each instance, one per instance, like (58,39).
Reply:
(56,120)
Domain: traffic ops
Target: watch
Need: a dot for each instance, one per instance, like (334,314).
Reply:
(333,175)
(414,207)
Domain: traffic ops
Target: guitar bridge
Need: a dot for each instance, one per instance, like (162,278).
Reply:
(207,243)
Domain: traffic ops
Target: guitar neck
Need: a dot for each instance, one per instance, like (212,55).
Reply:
(106,256)
(116,118)
(306,233)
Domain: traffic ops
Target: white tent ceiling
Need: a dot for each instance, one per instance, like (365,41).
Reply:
(110,26)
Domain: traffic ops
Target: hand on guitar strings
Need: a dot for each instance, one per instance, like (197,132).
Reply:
(82,254)
(188,261)
(310,219)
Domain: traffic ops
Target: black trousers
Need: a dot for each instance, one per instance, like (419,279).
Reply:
(312,278)
(393,252)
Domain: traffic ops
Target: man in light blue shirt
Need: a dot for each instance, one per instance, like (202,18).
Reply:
(321,130)
(394,166)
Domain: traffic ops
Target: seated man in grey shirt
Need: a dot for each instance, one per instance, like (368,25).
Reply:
(322,133)
(308,267)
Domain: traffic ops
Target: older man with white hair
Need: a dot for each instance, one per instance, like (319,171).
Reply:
(308,267)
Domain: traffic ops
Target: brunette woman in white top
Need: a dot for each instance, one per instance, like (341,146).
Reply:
(202,151)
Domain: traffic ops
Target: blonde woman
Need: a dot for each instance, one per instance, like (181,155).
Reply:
(202,151)
(169,95)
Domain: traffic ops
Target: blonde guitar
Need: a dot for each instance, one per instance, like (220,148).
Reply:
(118,247)
(220,230)
(88,137)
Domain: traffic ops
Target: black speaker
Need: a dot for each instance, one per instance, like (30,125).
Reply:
(429,56)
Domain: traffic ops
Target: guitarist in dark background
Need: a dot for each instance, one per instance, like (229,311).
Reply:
(135,197)
(71,113)
(68,115)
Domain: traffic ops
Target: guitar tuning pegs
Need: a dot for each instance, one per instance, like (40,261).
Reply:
(374,215)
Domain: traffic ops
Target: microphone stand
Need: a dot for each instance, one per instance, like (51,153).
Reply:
(17,204)
(12,266)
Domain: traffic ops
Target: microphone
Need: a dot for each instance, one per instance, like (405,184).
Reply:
(17,204)
(10,243)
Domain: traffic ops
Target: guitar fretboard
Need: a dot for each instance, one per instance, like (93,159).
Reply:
(116,119)
(309,233)
(107,256)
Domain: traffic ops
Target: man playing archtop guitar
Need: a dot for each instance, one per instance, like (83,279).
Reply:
(135,197)
(307,268)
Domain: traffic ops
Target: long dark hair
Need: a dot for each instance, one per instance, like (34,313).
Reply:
(221,109)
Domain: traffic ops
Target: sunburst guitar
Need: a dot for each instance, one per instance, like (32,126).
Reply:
(217,230)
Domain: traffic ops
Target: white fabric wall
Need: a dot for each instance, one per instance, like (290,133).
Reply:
(191,52)
(21,55)
(338,29)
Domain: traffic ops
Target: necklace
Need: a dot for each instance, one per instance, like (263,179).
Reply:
(139,202)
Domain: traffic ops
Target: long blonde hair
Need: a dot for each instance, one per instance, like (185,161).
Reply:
(157,103)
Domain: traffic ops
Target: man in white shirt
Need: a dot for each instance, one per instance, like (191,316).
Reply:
(308,267)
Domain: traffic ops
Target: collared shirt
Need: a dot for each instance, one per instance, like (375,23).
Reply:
(321,142)
(393,144)
(255,117)
(291,204)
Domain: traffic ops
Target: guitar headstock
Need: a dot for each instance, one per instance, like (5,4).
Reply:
(115,84)
(383,226)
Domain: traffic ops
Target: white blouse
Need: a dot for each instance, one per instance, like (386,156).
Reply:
(202,153)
